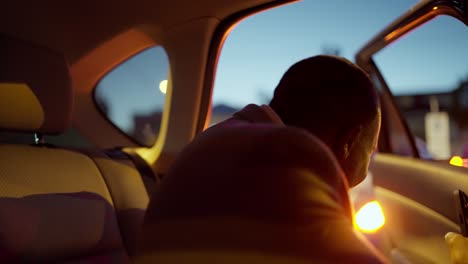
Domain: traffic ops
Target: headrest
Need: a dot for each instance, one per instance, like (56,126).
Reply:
(35,88)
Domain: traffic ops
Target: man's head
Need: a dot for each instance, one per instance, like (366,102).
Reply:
(336,101)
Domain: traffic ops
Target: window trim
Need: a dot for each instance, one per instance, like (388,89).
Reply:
(104,115)
(421,13)
(219,37)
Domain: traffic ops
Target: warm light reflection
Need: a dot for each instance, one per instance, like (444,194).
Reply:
(397,33)
(456,161)
(370,217)
(435,8)
(163,86)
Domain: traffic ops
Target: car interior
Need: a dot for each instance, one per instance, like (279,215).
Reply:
(58,203)
(75,183)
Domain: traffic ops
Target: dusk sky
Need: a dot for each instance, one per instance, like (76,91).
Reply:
(262,47)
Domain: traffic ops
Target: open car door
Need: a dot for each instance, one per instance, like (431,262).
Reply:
(412,176)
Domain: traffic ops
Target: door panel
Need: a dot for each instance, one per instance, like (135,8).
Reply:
(430,183)
(416,194)
(416,231)
(417,199)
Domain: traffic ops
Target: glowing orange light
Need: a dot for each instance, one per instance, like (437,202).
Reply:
(435,8)
(456,161)
(370,218)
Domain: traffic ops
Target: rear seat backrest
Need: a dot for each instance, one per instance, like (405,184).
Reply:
(58,205)
(130,183)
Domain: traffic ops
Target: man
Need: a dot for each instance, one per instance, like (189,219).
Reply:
(335,101)
(270,184)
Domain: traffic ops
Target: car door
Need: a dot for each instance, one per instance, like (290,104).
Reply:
(415,185)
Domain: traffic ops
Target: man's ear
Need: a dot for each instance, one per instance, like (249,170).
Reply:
(345,141)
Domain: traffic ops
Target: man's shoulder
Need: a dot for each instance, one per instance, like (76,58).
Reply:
(275,143)
(264,133)
(267,144)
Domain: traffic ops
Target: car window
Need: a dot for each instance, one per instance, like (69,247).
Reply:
(132,95)
(427,72)
(262,47)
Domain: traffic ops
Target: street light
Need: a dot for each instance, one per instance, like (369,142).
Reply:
(163,86)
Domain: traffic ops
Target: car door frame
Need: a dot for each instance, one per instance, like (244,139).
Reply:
(416,194)
(414,18)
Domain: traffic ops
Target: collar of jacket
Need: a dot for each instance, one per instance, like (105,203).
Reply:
(259,114)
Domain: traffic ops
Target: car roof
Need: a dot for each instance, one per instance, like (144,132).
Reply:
(77,28)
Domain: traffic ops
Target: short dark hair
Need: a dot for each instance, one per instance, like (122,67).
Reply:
(321,92)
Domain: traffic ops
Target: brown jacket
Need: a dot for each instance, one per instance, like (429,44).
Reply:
(252,190)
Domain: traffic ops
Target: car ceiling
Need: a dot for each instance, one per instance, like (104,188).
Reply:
(76,28)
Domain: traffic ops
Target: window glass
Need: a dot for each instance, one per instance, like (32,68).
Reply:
(132,95)
(393,134)
(262,47)
(427,72)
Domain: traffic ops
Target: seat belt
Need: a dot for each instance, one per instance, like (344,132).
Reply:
(140,164)
(144,169)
